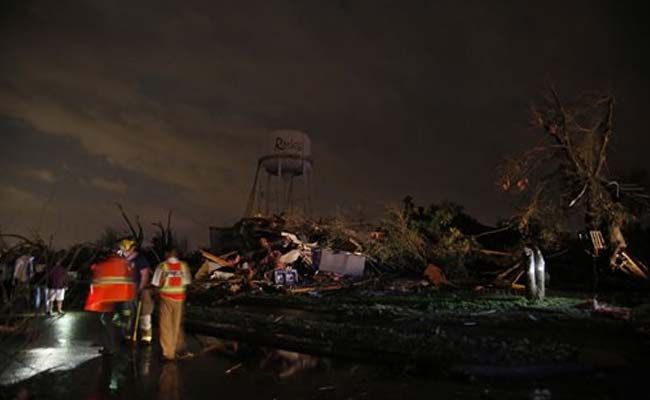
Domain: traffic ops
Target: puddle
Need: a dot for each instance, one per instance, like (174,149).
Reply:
(62,363)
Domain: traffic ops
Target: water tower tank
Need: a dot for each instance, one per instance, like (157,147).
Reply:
(289,153)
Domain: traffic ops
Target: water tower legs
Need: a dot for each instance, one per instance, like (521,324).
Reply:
(278,193)
(268,195)
(252,197)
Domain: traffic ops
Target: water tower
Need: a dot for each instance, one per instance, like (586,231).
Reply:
(282,181)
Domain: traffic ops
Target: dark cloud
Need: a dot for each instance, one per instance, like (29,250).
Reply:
(159,105)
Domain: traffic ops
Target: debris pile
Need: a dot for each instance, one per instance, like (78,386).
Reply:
(259,254)
(300,255)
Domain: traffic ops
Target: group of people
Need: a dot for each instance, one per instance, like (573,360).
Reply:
(123,290)
(31,283)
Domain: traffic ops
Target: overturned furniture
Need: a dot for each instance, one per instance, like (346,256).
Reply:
(341,262)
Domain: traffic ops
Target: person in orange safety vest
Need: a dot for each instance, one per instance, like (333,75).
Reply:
(171,277)
(112,284)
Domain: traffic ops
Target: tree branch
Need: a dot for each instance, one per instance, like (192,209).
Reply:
(169,239)
(608,133)
(566,140)
(582,192)
(21,237)
(127,220)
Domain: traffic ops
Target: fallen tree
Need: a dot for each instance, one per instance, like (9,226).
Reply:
(444,332)
(566,174)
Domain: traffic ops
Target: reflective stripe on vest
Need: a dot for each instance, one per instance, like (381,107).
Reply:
(112,283)
(172,281)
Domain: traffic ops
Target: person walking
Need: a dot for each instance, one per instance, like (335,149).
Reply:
(171,277)
(144,299)
(112,284)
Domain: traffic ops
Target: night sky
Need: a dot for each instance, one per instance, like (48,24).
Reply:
(161,105)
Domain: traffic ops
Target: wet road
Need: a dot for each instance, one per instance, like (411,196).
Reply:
(60,360)
(57,344)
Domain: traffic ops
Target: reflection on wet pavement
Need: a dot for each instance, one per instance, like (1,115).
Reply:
(540,394)
(65,347)
(289,362)
(59,345)
(168,387)
(35,361)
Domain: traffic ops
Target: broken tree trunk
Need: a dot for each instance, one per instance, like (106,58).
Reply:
(375,343)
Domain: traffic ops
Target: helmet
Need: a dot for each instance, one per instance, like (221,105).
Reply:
(127,244)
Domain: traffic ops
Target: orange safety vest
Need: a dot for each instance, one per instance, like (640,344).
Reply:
(112,283)
(171,285)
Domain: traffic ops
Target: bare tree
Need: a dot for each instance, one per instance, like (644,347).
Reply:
(164,239)
(138,235)
(567,173)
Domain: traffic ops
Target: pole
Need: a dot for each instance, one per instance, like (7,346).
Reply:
(134,336)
